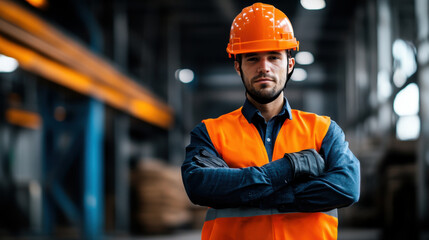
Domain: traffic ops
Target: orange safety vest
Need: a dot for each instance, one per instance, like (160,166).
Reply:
(240,145)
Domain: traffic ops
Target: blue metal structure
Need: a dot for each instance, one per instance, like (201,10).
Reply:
(93,171)
(71,165)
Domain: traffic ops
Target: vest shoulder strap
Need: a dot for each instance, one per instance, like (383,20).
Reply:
(305,130)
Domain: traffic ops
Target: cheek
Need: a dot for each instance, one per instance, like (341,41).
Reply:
(244,78)
(247,74)
(247,70)
(281,73)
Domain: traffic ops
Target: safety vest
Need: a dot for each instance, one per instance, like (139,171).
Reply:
(240,145)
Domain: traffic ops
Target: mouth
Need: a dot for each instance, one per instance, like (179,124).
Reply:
(263,80)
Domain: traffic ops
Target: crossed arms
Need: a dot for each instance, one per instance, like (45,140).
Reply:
(273,185)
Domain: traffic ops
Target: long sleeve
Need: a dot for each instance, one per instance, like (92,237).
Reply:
(229,187)
(338,187)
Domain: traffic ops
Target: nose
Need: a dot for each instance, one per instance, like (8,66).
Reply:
(264,65)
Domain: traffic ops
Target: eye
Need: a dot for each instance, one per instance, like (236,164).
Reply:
(274,57)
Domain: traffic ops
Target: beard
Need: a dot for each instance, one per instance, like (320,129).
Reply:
(262,96)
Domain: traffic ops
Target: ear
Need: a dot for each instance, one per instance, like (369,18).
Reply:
(237,67)
(291,64)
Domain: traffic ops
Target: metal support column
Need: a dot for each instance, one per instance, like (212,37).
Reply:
(93,203)
(121,125)
(120,29)
(122,175)
(422,15)
(93,197)
(175,136)
(384,58)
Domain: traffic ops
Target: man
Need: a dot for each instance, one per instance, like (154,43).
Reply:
(267,171)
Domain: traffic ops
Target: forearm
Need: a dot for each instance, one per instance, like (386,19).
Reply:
(333,190)
(339,186)
(233,187)
(326,193)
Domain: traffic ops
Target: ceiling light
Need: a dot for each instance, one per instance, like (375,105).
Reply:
(185,75)
(299,75)
(408,128)
(407,101)
(38,3)
(304,58)
(313,4)
(405,57)
(8,64)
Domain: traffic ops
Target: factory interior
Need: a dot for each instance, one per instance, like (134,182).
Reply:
(98,98)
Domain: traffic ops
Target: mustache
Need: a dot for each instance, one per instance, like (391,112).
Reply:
(264,75)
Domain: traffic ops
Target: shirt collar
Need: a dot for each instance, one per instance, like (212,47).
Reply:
(249,110)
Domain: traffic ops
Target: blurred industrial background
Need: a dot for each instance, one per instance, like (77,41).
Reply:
(97,99)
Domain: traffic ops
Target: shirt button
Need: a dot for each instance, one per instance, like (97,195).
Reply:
(268,139)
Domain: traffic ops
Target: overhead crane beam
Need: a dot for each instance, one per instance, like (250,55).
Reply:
(75,66)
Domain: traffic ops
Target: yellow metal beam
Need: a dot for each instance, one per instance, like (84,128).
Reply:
(23,118)
(51,70)
(78,68)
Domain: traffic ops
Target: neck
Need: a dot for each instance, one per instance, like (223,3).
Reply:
(271,109)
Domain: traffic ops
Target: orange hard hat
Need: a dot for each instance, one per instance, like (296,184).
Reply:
(261,27)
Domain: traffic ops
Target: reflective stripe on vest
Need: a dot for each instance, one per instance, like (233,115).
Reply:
(240,145)
(213,214)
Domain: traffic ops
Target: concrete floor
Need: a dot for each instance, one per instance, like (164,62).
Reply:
(343,234)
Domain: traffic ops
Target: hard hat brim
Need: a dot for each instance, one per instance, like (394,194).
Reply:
(262,46)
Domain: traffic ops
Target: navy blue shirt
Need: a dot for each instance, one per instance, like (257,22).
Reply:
(272,185)
(267,130)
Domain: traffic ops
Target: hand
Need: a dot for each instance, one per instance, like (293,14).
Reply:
(306,163)
(205,159)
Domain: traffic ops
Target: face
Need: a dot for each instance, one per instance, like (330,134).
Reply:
(264,74)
